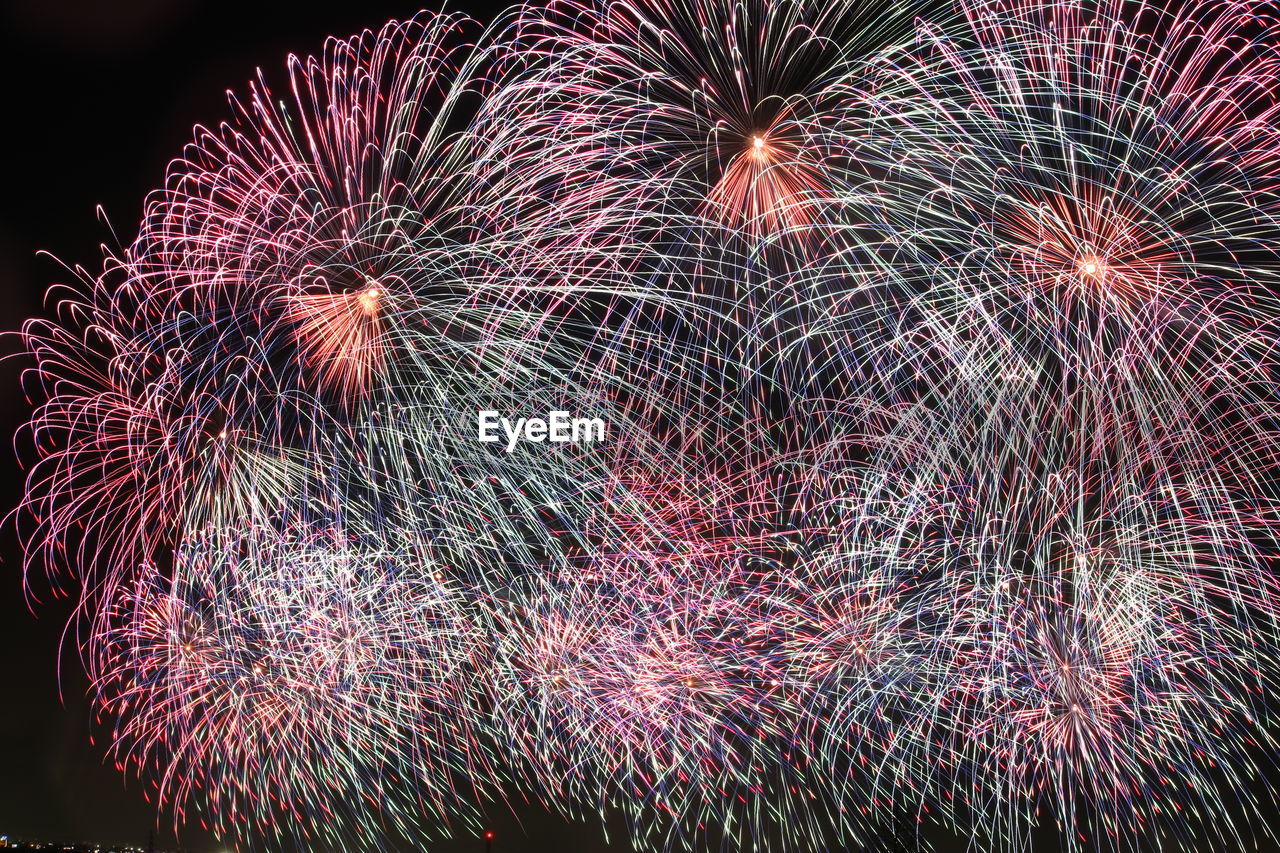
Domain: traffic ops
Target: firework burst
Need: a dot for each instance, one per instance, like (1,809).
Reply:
(296,680)
(936,352)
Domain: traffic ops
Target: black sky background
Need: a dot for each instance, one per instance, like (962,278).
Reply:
(97,98)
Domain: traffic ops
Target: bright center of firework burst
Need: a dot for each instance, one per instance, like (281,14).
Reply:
(368,299)
(759,148)
(1091,267)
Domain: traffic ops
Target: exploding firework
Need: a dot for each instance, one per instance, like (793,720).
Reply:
(936,352)
(297,680)
(1070,601)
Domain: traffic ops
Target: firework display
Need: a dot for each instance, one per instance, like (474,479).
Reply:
(787,425)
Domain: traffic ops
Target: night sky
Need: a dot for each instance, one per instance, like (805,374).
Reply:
(99,96)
